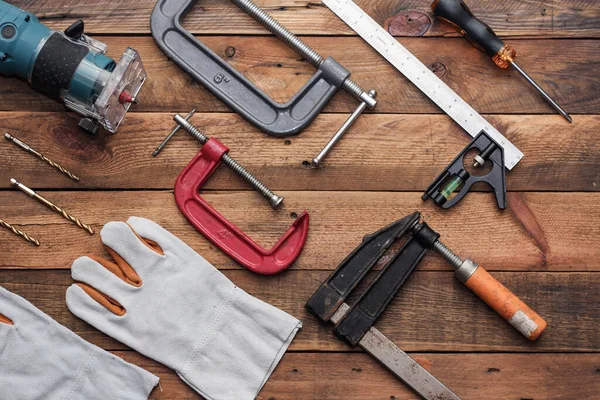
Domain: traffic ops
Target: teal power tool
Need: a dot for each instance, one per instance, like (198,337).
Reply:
(71,67)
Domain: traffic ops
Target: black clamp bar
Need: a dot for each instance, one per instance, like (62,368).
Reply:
(357,321)
(373,302)
(338,286)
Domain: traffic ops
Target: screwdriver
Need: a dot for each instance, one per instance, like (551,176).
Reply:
(457,14)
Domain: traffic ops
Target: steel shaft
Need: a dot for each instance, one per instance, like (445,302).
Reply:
(274,200)
(543,93)
(316,162)
(448,254)
(399,363)
(170,136)
(298,45)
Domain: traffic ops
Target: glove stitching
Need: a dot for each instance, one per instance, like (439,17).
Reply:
(81,374)
(210,329)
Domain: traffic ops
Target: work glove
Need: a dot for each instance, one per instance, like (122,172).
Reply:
(42,360)
(164,300)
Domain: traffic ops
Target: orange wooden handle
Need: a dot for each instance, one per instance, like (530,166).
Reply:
(509,306)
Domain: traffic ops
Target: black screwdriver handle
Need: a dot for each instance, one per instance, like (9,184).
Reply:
(457,14)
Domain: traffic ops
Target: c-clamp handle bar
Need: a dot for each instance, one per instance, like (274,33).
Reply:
(235,90)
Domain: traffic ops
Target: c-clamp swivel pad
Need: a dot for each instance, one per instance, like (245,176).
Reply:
(241,95)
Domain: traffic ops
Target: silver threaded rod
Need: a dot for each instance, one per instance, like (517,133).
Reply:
(448,254)
(274,200)
(297,44)
(279,31)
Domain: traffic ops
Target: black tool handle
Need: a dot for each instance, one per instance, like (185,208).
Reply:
(457,14)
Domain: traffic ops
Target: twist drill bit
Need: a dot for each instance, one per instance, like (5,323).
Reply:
(19,233)
(39,155)
(51,206)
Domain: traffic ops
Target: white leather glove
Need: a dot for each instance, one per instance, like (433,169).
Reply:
(41,359)
(167,302)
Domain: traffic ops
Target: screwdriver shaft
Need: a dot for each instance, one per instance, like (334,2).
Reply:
(543,93)
(39,155)
(19,233)
(52,206)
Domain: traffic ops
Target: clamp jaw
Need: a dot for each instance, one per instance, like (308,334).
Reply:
(233,88)
(241,95)
(226,236)
(326,301)
(455,176)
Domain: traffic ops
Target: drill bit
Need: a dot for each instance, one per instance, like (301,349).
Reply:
(19,233)
(39,155)
(51,206)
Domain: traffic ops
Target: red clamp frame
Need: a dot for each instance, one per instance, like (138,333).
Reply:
(226,236)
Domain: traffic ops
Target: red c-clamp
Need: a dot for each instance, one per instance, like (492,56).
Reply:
(226,236)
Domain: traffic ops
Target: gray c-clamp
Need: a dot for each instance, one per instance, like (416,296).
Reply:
(235,90)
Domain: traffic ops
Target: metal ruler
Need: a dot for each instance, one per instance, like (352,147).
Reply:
(413,69)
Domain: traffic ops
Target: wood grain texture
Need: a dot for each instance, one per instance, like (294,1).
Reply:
(570,78)
(382,152)
(358,377)
(432,312)
(561,18)
(543,247)
(567,224)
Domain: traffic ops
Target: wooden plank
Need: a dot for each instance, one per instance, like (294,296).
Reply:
(541,231)
(358,377)
(432,313)
(560,18)
(568,76)
(382,152)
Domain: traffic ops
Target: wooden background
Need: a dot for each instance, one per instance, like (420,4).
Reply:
(544,246)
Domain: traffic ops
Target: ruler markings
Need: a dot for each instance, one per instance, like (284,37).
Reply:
(432,86)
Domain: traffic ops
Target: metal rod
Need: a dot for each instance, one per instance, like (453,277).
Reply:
(399,363)
(173,132)
(448,254)
(298,45)
(273,199)
(39,155)
(316,162)
(19,233)
(51,206)
(543,93)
